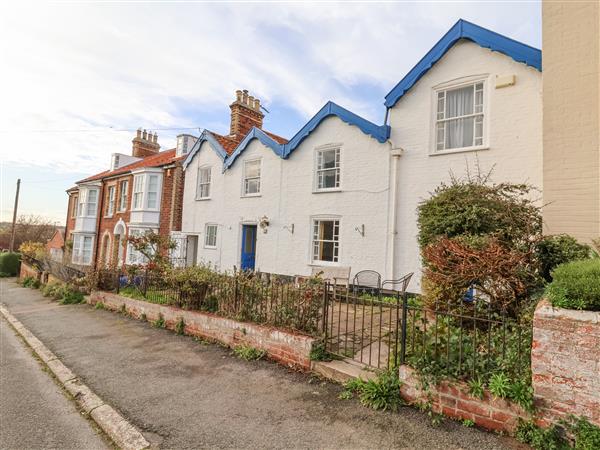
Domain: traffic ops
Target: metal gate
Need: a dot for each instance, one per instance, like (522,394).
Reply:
(367,328)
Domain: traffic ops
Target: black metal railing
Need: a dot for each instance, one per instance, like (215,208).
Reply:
(244,297)
(465,340)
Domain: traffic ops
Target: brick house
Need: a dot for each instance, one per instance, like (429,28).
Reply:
(140,192)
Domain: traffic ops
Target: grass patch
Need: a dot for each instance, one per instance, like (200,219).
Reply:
(99,305)
(152,296)
(249,353)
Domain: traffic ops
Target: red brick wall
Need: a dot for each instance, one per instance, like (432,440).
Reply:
(565,363)
(70,216)
(453,400)
(28,271)
(171,204)
(287,348)
(107,224)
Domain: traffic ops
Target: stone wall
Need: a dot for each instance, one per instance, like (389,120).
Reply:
(565,363)
(452,399)
(29,271)
(285,347)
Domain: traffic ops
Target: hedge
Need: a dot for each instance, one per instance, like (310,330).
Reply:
(9,263)
(576,285)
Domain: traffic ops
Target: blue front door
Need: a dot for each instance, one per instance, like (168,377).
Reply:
(248,247)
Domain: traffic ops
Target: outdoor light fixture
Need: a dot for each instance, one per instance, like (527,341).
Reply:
(263,223)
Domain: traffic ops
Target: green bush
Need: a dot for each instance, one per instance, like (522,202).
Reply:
(576,285)
(553,251)
(27,281)
(71,296)
(572,432)
(9,263)
(249,353)
(382,392)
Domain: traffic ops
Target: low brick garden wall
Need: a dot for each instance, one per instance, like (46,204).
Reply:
(285,347)
(565,363)
(453,400)
(29,271)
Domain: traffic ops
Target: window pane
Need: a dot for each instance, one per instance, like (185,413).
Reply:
(249,241)
(327,253)
(152,200)
(252,169)
(328,159)
(153,183)
(253,186)
(459,102)
(459,133)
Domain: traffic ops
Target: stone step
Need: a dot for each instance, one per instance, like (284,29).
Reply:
(342,370)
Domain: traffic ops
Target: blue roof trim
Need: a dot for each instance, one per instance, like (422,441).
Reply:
(462,29)
(255,133)
(379,132)
(206,136)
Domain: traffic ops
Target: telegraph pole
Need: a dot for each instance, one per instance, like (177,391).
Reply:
(11,248)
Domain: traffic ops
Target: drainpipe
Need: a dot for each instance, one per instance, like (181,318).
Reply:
(396,153)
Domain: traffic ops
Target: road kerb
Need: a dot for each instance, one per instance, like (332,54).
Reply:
(121,431)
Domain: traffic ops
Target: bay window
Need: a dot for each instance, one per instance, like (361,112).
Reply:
(459,117)
(326,240)
(82,249)
(88,202)
(146,191)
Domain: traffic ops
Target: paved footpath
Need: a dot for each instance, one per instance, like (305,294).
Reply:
(182,393)
(34,411)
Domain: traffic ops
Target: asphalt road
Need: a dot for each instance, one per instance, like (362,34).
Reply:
(182,393)
(34,411)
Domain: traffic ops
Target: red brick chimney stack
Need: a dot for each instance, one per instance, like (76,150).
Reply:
(245,114)
(145,144)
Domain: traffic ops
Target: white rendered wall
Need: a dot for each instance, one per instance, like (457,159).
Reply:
(287,198)
(515,137)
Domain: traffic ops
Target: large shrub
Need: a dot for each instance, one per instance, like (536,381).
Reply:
(576,285)
(9,263)
(475,207)
(553,251)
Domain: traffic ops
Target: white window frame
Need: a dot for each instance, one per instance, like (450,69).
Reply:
(207,235)
(313,241)
(245,178)
(138,192)
(123,195)
(484,114)
(200,195)
(141,191)
(75,206)
(78,256)
(156,192)
(110,203)
(84,205)
(337,148)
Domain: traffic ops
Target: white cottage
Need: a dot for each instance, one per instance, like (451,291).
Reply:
(344,191)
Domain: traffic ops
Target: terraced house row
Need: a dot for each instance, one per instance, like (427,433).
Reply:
(343,191)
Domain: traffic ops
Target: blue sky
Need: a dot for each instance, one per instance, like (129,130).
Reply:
(76,75)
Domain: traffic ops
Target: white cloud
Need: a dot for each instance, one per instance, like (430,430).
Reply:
(71,67)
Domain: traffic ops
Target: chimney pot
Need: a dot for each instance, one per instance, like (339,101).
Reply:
(155,140)
(139,132)
(257,104)
(245,97)
(251,102)
(145,135)
(238,95)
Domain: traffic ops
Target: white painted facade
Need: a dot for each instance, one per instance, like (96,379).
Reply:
(289,201)
(381,184)
(512,135)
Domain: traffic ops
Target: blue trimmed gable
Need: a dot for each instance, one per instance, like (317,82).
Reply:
(206,136)
(255,133)
(379,132)
(465,30)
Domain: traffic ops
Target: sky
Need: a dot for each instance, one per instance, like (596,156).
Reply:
(78,79)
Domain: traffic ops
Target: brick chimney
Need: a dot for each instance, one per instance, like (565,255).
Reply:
(145,144)
(245,114)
